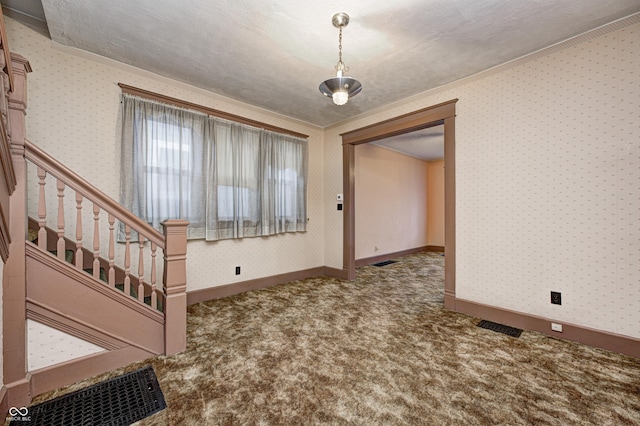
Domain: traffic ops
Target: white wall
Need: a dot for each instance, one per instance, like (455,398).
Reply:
(390,201)
(73,101)
(435,204)
(47,346)
(559,207)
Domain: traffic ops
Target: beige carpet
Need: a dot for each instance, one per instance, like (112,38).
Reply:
(379,351)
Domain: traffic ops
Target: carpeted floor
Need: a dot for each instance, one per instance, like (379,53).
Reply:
(379,351)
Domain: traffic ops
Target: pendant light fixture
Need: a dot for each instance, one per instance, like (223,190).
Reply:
(340,88)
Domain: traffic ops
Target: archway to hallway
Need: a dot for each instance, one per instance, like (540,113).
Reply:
(443,113)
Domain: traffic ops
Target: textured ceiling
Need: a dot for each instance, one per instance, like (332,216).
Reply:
(426,144)
(274,54)
(29,8)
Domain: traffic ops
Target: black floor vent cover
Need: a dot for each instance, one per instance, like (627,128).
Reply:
(122,400)
(505,329)
(385,263)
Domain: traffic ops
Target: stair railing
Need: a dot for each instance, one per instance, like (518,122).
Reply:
(17,382)
(140,268)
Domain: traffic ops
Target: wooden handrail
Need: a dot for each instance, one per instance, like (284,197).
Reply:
(40,158)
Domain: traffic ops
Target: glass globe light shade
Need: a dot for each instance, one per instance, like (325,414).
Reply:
(340,89)
(340,97)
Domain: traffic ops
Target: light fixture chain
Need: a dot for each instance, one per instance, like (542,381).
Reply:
(340,46)
(340,65)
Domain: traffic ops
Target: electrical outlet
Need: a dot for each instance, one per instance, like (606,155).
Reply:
(237,270)
(556,327)
(556,298)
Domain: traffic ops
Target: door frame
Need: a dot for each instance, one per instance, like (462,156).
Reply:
(443,113)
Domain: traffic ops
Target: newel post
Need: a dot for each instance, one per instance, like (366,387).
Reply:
(175,286)
(14,275)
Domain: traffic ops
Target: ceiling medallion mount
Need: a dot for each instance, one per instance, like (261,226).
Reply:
(340,88)
(340,20)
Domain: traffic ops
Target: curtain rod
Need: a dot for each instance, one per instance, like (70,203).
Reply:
(210,111)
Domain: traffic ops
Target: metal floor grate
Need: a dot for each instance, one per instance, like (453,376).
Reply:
(122,400)
(385,263)
(504,329)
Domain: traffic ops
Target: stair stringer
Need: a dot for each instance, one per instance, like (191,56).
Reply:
(72,371)
(87,264)
(80,305)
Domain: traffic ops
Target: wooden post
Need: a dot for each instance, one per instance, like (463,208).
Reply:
(175,285)
(14,275)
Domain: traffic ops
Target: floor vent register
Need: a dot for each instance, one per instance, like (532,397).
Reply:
(504,329)
(122,400)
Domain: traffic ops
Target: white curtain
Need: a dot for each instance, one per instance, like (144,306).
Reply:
(238,177)
(228,179)
(284,181)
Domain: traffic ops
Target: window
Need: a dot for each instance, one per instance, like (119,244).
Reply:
(284,182)
(229,180)
(169,170)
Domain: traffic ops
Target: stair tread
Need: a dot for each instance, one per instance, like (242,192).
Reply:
(69,255)
(103,273)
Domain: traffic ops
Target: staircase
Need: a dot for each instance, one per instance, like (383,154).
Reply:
(71,257)
(77,261)
(116,295)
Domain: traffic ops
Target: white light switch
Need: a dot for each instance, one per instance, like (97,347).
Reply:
(339,197)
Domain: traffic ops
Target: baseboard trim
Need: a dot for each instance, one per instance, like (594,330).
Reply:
(341,274)
(66,373)
(389,256)
(575,333)
(449,300)
(439,249)
(218,292)
(18,393)
(4,403)
(21,392)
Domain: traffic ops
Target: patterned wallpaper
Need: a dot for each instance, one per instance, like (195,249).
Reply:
(547,172)
(73,101)
(48,346)
(435,207)
(548,182)
(391,201)
(72,114)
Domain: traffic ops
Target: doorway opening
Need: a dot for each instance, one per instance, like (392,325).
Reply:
(444,114)
(399,198)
